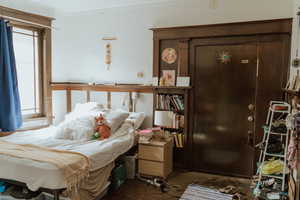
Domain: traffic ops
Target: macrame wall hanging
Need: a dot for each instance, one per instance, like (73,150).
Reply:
(108,51)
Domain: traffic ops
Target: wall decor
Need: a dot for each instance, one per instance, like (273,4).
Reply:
(162,81)
(183,81)
(155,81)
(168,78)
(108,49)
(169,55)
(224,57)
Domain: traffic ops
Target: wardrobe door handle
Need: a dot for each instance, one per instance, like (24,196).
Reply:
(250,118)
(251,107)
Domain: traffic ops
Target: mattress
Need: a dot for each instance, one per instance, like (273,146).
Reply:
(45,175)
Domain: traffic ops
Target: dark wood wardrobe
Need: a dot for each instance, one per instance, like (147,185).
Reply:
(235,70)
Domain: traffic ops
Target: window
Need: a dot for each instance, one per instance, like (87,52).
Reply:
(29,70)
(32,38)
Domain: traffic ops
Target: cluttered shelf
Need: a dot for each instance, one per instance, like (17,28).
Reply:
(171,115)
(181,112)
(102,87)
(169,111)
(113,87)
(273,176)
(170,102)
(173,87)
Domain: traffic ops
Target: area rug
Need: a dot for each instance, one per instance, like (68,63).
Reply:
(197,192)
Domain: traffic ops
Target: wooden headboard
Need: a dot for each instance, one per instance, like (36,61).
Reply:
(127,88)
(109,89)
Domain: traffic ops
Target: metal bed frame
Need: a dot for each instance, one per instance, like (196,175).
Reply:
(130,89)
(56,193)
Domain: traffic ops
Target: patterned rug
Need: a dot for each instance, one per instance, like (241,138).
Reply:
(197,192)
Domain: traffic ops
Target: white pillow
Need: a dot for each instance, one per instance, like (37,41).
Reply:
(136,118)
(90,106)
(115,119)
(84,108)
(79,124)
(77,128)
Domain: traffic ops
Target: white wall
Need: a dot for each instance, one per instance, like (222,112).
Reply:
(27,6)
(78,49)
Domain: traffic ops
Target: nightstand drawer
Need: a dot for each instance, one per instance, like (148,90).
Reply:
(154,153)
(151,168)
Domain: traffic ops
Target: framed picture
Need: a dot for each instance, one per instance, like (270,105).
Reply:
(168,78)
(169,55)
(183,81)
(155,81)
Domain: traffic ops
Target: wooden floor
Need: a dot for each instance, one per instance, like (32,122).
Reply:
(138,190)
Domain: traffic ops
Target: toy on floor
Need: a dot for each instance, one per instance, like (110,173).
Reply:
(102,130)
(157,182)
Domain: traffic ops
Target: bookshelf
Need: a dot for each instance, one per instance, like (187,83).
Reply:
(175,99)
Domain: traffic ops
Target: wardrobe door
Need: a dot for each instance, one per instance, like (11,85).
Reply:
(224,90)
(273,53)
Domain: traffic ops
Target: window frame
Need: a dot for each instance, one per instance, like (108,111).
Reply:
(42,113)
(31,21)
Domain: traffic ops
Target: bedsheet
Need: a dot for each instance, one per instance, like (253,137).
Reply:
(44,175)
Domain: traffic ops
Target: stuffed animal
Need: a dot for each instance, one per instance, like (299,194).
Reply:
(102,130)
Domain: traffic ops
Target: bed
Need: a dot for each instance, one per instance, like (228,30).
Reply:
(47,177)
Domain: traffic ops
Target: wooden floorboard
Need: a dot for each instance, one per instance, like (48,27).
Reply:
(137,190)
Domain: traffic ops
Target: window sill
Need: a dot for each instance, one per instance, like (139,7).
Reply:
(34,123)
(30,124)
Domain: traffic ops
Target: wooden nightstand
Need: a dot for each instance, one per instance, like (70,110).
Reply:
(156,158)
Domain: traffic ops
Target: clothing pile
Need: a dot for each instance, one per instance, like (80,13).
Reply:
(275,144)
(293,123)
(279,126)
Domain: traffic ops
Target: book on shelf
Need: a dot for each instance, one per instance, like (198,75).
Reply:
(179,139)
(170,102)
(178,121)
(169,119)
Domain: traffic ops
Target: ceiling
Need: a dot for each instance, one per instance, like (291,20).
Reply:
(88,5)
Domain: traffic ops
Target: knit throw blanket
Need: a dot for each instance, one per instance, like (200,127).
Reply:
(75,166)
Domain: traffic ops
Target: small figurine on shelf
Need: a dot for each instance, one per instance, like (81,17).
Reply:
(102,130)
(162,81)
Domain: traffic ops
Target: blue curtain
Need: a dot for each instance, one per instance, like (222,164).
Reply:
(10,108)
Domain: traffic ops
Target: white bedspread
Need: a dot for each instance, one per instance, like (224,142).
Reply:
(44,175)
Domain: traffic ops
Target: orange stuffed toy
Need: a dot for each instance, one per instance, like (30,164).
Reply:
(102,130)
